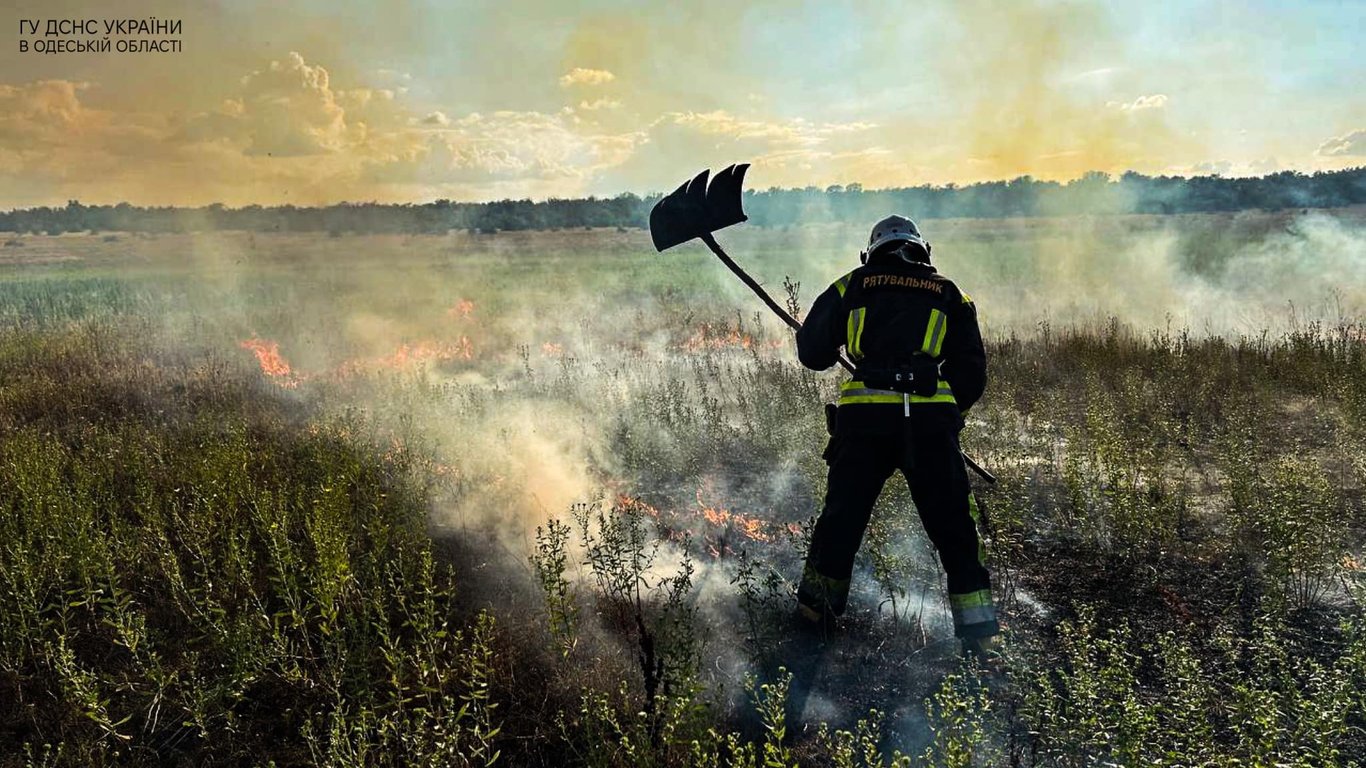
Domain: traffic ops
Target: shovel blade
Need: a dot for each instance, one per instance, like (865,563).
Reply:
(697,208)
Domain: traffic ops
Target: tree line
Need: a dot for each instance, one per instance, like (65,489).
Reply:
(1094,193)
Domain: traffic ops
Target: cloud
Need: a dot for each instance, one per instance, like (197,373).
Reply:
(1025,91)
(1266,165)
(41,113)
(289,109)
(1099,74)
(784,152)
(512,150)
(596,104)
(1212,168)
(1351,144)
(1154,101)
(795,132)
(507,146)
(371,109)
(289,130)
(582,76)
(1231,168)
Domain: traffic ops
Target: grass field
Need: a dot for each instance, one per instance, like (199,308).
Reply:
(540,497)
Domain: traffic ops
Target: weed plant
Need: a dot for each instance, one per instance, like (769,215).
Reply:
(200,564)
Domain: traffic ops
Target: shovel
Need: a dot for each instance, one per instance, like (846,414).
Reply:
(696,209)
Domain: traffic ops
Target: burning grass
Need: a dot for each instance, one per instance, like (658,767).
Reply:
(277,369)
(227,546)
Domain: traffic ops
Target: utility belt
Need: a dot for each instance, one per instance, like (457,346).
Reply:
(919,376)
(914,384)
(865,406)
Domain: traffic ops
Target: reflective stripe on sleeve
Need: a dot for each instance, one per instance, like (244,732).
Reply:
(854,332)
(934,333)
(842,284)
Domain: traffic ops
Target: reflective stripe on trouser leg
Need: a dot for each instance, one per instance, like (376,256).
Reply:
(974,615)
(822,594)
(943,496)
(859,465)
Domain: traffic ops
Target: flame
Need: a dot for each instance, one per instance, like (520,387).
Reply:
(632,503)
(551,349)
(752,528)
(717,522)
(272,363)
(711,337)
(411,354)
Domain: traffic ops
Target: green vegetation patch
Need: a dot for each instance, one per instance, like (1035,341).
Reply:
(191,569)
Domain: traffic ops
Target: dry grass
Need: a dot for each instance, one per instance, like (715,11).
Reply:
(200,565)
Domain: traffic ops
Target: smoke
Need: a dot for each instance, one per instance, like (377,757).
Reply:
(1153,276)
(1225,274)
(521,463)
(1314,265)
(598,369)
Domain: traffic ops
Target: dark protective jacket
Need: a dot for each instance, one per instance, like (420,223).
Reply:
(882,314)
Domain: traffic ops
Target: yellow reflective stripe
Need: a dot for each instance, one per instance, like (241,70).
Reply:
(842,284)
(967,299)
(854,332)
(972,599)
(972,608)
(857,392)
(934,333)
(870,396)
(858,332)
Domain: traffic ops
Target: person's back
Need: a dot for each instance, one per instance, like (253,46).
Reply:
(920,363)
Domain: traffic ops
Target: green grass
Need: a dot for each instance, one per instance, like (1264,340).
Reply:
(191,571)
(512,556)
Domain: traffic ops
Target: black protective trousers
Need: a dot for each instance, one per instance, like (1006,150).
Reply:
(861,458)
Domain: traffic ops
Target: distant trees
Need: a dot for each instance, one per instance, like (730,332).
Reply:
(1024,196)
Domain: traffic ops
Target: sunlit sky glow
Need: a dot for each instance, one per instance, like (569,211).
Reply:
(327,101)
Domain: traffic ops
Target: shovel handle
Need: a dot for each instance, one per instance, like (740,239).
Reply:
(759,290)
(747,280)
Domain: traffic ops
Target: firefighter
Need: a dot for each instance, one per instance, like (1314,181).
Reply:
(920,364)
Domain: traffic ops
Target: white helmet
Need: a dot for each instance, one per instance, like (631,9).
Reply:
(892,229)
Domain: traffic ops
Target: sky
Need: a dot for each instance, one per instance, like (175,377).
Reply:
(318,102)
